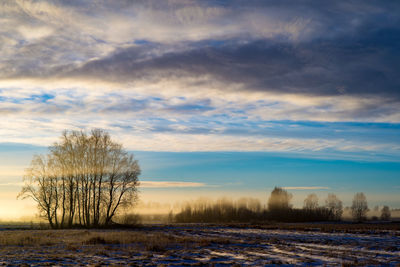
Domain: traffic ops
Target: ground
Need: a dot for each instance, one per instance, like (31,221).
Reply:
(221,245)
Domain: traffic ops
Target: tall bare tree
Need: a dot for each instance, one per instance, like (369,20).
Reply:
(359,208)
(385,213)
(279,200)
(335,206)
(84,179)
(41,185)
(311,202)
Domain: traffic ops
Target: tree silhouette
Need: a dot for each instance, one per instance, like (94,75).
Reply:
(311,202)
(335,206)
(359,207)
(279,200)
(385,213)
(84,179)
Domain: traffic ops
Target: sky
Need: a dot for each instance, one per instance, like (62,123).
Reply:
(214,98)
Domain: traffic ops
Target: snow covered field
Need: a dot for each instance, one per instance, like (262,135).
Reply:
(196,244)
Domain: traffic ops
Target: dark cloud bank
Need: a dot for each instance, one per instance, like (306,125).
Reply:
(362,60)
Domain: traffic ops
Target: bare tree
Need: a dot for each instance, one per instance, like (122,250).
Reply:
(335,206)
(41,186)
(311,202)
(359,207)
(84,179)
(385,213)
(279,200)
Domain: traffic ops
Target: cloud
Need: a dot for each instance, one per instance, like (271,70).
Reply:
(305,188)
(268,46)
(155,128)
(169,184)
(318,68)
(183,75)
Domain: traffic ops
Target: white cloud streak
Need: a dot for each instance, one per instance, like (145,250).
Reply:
(169,184)
(305,187)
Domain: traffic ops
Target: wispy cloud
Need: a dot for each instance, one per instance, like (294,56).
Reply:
(169,184)
(305,187)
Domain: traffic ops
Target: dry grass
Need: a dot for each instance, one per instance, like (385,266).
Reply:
(74,239)
(87,247)
(184,245)
(27,238)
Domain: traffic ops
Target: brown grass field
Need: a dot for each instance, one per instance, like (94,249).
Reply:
(196,244)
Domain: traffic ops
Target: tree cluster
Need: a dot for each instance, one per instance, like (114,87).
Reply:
(221,211)
(280,209)
(85,179)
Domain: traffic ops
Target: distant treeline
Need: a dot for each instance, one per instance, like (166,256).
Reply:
(224,211)
(278,208)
